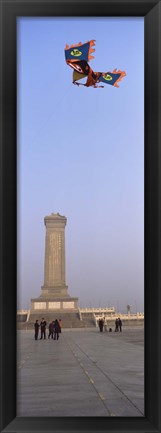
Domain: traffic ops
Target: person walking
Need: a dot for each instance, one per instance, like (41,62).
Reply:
(56,330)
(36,326)
(43,328)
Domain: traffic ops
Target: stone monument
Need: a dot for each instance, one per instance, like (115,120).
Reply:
(54,292)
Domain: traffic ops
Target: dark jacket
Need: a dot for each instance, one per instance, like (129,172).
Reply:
(43,325)
(51,327)
(36,326)
(57,326)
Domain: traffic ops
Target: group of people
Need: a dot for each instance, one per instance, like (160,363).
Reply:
(54,329)
(118,325)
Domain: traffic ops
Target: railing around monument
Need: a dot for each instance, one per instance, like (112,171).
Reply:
(107,314)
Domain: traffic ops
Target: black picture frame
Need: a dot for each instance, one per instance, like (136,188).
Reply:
(151,10)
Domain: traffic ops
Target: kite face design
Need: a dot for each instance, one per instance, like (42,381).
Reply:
(78,56)
(107,77)
(75,53)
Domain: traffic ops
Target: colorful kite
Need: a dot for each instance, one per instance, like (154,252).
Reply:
(78,56)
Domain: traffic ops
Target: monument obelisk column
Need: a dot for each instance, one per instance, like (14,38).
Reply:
(54,292)
(54,266)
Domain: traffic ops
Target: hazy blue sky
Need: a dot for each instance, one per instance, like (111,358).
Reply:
(81,153)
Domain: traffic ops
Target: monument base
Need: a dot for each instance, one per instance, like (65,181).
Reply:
(50,304)
(51,308)
(54,298)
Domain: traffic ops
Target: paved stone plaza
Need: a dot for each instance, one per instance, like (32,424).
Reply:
(84,373)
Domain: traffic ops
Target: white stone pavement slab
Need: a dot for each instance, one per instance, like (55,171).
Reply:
(84,373)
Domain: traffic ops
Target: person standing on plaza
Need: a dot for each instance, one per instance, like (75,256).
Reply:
(101,323)
(36,326)
(120,324)
(43,329)
(51,329)
(116,325)
(56,330)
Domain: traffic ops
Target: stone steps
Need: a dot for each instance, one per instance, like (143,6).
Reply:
(69,320)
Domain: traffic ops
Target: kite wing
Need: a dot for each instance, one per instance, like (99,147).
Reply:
(79,52)
(112,77)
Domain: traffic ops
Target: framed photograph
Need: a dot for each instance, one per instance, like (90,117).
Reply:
(123,137)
